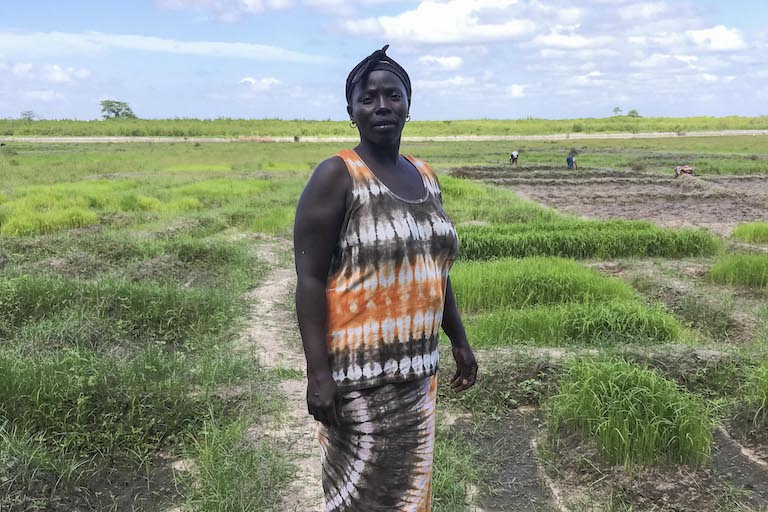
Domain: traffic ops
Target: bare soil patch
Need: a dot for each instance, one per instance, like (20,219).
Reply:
(714,203)
(587,481)
(267,338)
(513,480)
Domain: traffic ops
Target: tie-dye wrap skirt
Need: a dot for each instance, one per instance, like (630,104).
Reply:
(380,458)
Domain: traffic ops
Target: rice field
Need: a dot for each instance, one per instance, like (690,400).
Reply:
(127,275)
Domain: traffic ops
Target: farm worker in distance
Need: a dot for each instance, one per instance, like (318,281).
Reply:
(373,250)
(570,160)
(513,158)
(683,169)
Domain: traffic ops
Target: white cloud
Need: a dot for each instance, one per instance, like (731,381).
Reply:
(452,21)
(557,39)
(41,44)
(449,63)
(227,10)
(718,38)
(662,60)
(641,11)
(448,83)
(516,90)
(42,96)
(260,84)
(22,69)
(57,74)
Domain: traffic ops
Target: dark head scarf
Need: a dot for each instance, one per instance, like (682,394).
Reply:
(376,61)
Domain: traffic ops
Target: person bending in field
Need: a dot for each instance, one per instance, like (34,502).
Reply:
(373,249)
(570,161)
(683,169)
(513,158)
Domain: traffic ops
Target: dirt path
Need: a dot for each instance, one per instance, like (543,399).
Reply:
(268,338)
(445,138)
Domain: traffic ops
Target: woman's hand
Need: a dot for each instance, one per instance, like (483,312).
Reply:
(322,399)
(466,368)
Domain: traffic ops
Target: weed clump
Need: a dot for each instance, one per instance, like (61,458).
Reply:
(636,416)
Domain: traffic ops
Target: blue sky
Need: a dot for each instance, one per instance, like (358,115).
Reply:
(467,59)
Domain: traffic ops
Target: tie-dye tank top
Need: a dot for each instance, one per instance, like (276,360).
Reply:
(387,281)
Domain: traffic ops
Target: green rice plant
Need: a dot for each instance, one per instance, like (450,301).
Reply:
(590,324)
(752,232)
(199,167)
(233,474)
(529,282)
(636,416)
(590,240)
(466,201)
(741,269)
(25,221)
(215,191)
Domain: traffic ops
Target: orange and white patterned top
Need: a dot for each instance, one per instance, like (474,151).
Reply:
(387,281)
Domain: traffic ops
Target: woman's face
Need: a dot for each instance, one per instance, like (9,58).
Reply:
(379,107)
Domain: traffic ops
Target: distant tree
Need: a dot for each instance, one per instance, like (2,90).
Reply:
(113,109)
(616,111)
(27,116)
(633,113)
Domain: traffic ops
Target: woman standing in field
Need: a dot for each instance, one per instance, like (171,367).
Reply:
(373,249)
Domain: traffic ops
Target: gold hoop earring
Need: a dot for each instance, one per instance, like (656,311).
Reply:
(352,124)
(407,118)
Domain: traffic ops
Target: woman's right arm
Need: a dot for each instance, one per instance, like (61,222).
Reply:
(319,218)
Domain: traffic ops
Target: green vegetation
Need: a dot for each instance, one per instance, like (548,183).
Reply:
(583,239)
(455,472)
(225,127)
(233,475)
(553,302)
(752,232)
(741,269)
(755,392)
(514,227)
(636,416)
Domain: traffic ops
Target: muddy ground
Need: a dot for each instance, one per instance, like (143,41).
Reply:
(717,203)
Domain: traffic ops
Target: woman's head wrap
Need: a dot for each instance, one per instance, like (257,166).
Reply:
(378,60)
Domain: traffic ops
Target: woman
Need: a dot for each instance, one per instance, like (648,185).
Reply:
(373,249)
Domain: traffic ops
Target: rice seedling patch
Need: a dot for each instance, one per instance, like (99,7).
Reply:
(752,232)
(554,302)
(741,269)
(636,416)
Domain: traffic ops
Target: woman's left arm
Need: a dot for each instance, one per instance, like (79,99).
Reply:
(466,365)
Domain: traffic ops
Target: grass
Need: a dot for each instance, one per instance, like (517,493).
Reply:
(225,127)
(741,269)
(636,416)
(231,474)
(554,302)
(752,232)
(755,393)
(455,471)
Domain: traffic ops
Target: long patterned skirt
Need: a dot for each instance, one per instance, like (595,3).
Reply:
(380,457)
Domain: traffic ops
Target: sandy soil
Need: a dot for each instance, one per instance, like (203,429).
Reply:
(715,203)
(267,337)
